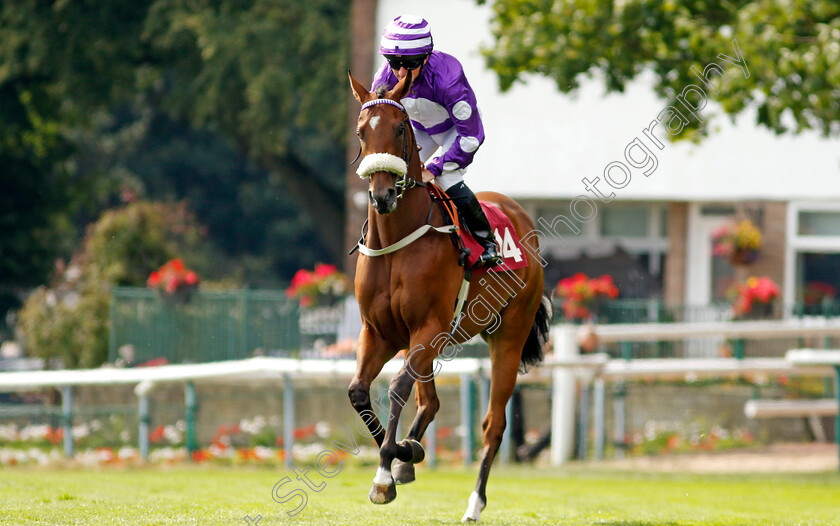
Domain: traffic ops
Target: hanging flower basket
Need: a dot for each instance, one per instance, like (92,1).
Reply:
(743,256)
(739,242)
(174,282)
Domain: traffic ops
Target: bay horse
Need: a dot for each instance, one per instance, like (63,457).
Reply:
(406,288)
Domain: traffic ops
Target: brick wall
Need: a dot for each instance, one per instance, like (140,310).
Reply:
(364,35)
(675,261)
(771,219)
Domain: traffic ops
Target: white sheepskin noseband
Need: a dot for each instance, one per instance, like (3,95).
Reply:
(381,162)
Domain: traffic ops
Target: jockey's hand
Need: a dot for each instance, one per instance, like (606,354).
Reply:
(427,176)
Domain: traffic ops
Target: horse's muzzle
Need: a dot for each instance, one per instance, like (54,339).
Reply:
(384,201)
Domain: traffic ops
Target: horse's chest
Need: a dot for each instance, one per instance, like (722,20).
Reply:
(385,304)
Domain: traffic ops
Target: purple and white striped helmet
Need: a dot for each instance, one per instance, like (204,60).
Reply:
(406,35)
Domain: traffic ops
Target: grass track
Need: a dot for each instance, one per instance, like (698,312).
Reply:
(518,496)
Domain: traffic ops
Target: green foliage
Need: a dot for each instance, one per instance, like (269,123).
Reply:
(33,186)
(792,50)
(249,215)
(82,86)
(69,320)
(265,438)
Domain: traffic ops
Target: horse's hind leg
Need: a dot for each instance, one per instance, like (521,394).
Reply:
(502,382)
(427,406)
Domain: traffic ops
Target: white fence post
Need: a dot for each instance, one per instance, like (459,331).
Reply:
(67,419)
(598,418)
(563,396)
(288,419)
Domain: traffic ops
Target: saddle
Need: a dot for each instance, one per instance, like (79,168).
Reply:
(469,250)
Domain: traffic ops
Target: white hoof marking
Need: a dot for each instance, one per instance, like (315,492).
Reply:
(383,477)
(473,513)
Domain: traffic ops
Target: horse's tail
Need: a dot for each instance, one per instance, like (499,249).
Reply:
(532,353)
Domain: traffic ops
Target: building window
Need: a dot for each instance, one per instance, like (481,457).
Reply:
(625,222)
(818,280)
(636,231)
(819,224)
(812,269)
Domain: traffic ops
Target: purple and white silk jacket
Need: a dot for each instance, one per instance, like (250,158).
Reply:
(443,112)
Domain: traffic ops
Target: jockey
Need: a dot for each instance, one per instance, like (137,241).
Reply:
(443,112)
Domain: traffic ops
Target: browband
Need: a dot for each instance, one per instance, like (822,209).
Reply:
(374,102)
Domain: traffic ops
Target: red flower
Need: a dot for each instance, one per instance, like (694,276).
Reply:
(303,432)
(324,280)
(579,291)
(154,279)
(156,435)
(323,270)
(754,290)
(172,276)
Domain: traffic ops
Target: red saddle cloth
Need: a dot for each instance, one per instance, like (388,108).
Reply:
(510,248)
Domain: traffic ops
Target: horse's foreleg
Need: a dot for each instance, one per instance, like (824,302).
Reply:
(428,404)
(371,356)
(384,489)
(503,380)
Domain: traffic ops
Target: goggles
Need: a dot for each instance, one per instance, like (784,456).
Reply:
(409,62)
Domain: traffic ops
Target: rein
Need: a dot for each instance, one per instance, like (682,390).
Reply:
(438,197)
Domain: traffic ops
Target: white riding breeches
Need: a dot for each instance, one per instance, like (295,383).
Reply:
(429,148)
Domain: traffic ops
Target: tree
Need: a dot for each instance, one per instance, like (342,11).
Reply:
(139,152)
(33,192)
(792,51)
(266,74)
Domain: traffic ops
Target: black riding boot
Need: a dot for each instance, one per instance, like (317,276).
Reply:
(470,209)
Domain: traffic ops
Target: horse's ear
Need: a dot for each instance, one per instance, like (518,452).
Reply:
(400,89)
(359,91)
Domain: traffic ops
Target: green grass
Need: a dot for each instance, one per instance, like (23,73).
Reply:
(205,495)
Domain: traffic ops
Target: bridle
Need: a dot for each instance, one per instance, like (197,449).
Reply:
(388,162)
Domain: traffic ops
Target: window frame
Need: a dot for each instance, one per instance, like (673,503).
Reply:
(798,243)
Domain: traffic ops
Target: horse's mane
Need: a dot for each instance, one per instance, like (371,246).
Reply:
(380,91)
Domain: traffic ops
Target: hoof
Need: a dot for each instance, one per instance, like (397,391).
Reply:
(382,494)
(417,451)
(403,472)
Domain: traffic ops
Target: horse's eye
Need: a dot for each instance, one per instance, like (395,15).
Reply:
(357,133)
(401,129)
